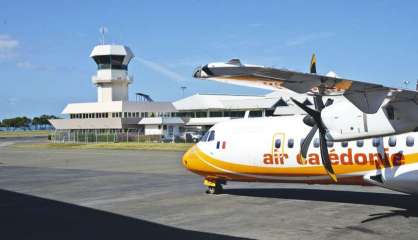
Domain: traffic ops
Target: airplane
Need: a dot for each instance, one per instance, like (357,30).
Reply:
(363,134)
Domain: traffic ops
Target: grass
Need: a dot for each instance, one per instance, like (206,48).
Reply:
(34,133)
(116,146)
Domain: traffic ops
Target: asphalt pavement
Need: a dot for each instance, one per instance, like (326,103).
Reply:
(123,194)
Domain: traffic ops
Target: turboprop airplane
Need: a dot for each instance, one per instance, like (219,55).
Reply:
(368,138)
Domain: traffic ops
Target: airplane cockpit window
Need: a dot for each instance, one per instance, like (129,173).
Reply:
(316,142)
(290,143)
(204,137)
(277,143)
(211,136)
(392,141)
(410,141)
(344,144)
(376,142)
(330,144)
(360,143)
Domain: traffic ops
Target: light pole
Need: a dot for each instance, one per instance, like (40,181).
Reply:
(183,88)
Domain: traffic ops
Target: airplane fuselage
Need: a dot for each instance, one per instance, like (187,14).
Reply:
(268,149)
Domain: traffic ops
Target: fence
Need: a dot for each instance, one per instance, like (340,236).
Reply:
(108,137)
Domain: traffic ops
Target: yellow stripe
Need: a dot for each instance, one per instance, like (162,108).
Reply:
(302,170)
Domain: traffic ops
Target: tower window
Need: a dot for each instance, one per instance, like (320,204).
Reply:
(110,62)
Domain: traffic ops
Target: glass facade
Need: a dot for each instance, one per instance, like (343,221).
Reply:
(110,62)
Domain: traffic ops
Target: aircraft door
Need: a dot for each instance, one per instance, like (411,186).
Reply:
(277,148)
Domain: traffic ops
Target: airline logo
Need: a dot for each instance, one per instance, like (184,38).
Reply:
(344,158)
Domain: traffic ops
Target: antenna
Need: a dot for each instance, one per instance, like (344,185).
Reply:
(103,30)
(183,88)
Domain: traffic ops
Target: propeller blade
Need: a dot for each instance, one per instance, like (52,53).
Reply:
(308,110)
(324,155)
(315,116)
(307,141)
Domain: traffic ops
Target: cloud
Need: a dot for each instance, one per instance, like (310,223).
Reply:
(8,46)
(308,38)
(162,70)
(12,101)
(25,65)
(7,42)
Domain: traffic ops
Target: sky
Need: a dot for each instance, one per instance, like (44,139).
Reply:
(45,45)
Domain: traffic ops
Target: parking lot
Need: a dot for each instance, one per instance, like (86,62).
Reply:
(58,194)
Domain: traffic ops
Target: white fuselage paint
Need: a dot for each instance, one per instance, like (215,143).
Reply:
(246,141)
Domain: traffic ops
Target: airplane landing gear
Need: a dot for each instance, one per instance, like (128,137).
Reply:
(214,186)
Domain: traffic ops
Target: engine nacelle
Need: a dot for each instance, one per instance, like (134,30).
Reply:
(344,122)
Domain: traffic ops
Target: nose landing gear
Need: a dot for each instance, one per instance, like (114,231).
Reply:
(214,186)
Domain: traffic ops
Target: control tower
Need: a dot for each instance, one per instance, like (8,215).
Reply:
(112,77)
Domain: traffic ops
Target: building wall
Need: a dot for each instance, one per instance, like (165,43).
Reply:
(104,93)
(153,130)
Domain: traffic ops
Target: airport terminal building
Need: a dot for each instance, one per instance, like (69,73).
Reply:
(113,112)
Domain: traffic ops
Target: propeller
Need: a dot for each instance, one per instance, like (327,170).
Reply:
(314,120)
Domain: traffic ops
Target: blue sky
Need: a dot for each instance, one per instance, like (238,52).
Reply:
(44,45)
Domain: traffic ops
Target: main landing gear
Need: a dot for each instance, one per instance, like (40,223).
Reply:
(214,186)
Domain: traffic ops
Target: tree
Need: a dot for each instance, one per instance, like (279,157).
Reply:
(24,122)
(43,120)
(17,122)
(36,121)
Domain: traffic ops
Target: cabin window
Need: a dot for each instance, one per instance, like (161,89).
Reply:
(278,143)
(290,143)
(211,136)
(301,141)
(344,144)
(376,142)
(392,141)
(410,141)
(360,143)
(316,142)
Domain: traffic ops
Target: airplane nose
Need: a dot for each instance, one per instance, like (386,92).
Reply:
(188,158)
(201,72)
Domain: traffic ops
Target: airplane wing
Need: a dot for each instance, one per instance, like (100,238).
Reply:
(368,97)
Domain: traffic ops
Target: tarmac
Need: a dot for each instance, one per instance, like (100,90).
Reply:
(124,194)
